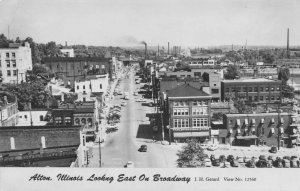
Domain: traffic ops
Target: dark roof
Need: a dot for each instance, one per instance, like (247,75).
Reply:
(185,90)
(75,59)
(171,83)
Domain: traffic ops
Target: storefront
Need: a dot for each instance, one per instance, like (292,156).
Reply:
(180,136)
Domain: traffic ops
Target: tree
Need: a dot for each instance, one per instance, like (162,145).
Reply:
(284,74)
(191,155)
(205,77)
(232,72)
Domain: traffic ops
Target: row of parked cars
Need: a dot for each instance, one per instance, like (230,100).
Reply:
(252,162)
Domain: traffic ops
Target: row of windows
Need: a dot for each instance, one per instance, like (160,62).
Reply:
(186,103)
(261,98)
(195,111)
(13,55)
(8,63)
(197,122)
(83,121)
(90,86)
(182,111)
(14,73)
(250,89)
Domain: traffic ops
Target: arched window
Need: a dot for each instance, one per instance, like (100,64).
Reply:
(68,120)
(77,121)
(12,143)
(43,141)
(83,121)
(90,122)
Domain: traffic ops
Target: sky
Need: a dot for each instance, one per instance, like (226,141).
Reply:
(128,22)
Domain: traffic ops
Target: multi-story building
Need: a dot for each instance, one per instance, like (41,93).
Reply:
(8,110)
(73,69)
(268,129)
(258,90)
(14,63)
(188,111)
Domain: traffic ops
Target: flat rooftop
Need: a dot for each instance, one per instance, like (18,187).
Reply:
(250,80)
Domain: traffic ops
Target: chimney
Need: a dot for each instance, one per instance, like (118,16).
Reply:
(145,51)
(158,50)
(66,44)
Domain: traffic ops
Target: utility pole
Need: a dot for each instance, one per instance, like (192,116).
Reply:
(100,162)
(162,126)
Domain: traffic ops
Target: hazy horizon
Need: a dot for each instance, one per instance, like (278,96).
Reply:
(192,23)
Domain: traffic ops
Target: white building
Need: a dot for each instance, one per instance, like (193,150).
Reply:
(14,62)
(93,84)
(38,118)
(68,52)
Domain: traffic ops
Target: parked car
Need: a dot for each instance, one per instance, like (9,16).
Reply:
(262,157)
(250,164)
(230,158)
(143,148)
(271,158)
(269,164)
(262,164)
(287,157)
(246,159)
(278,163)
(204,146)
(286,163)
(207,162)
(240,159)
(234,163)
(225,165)
(212,147)
(255,159)
(273,150)
(216,162)
(90,136)
(129,164)
(222,158)
(294,163)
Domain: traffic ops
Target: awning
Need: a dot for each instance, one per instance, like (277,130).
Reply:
(190,134)
(247,137)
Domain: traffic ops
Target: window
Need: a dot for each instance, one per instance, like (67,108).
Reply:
(181,111)
(84,87)
(100,86)
(261,89)
(255,98)
(250,89)
(8,73)
(278,97)
(58,120)
(200,111)
(238,89)
(200,122)
(261,98)
(175,103)
(227,90)
(215,84)
(77,121)
(181,123)
(245,89)
(25,116)
(14,63)
(83,121)
(14,72)
(7,63)
(267,89)
(90,122)
(68,120)
(272,97)
(233,89)
(12,143)
(41,118)
(84,99)
(255,89)
(278,88)
(267,98)
(43,141)
(215,91)
(7,55)
(13,54)
(272,88)
(78,87)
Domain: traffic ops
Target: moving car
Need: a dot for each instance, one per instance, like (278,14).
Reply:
(212,147)
(129,164)
(273,150)
(143,148)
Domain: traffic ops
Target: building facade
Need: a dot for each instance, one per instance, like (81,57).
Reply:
(74,69)
(14,63)
(258,90)
(8,110)
(188,109)
(270,129)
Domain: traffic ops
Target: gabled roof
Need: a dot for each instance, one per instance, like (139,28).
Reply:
(186,90)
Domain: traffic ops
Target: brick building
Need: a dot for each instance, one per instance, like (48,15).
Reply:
(73,69)
(188,111)
(258,90)
(259,129)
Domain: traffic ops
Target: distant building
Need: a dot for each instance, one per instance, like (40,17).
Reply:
(188,111)
(73,69)
(68,52)
(8,110)
(34,117)
(14,63)
(259,90)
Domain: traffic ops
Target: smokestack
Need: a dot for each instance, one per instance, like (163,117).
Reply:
(168,48)
(143,42)
(66,44)
(158,50)
(288,43)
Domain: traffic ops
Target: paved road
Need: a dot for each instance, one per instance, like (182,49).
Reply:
(134,130)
